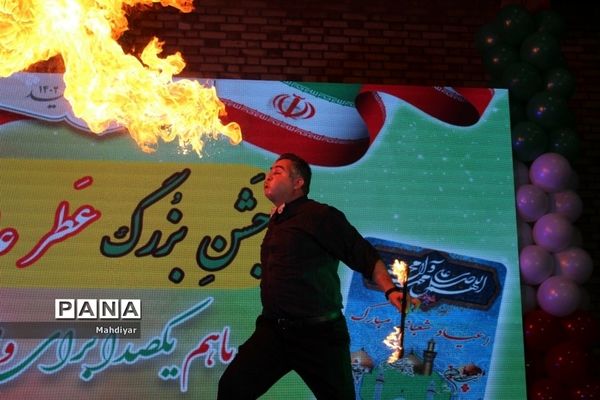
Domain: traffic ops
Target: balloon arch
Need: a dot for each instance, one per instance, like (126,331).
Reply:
(521,51)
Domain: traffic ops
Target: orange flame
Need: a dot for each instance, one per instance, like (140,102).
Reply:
(394,342)
(104,85)
(400,271)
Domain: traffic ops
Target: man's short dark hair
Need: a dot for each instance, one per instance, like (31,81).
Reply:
(300,167)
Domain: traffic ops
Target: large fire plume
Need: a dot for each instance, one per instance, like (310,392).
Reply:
(104,85)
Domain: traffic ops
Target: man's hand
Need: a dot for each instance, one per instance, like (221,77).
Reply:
(395,298)
(384,281)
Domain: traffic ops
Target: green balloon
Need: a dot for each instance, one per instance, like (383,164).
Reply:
(564,141)
(498,58)
(529,141)
(514,24)
(522,80)
(550,21)
(541,50)
(559,81)
(487,37)
(548,110)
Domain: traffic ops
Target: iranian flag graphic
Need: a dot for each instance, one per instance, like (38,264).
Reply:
(334,124)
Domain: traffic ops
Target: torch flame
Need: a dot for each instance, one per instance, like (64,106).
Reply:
(104,85)
(394,342)
(400,271)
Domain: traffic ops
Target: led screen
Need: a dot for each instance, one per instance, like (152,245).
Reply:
(90,221)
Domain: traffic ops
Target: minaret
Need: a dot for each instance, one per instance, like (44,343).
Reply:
(428,357)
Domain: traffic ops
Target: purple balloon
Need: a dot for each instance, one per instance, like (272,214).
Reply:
(528,298)
(567,203)
(558,296)
(521,173)
(536,265)
(524,234)
(532,202)
(553,232)
(551,172)
(574,263)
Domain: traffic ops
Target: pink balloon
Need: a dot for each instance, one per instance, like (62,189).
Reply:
(528,298)
(536,265)
(558,296)
(532,202)
(524,234)
(574,263)
(567,203)
(551,172)
(553,232)
(521,173)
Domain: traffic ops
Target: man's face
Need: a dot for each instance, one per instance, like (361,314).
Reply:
(282,184)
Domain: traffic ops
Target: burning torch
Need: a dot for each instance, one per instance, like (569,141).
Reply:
(395,339)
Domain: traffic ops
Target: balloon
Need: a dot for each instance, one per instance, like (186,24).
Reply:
(546,389)
(535,264)
(532,202)
(487,37)
(567,362)
(522,80)
(564,141)
(529,141)
(551,172)
(553,232)
(528,298)
(551,22)
(524,234)
(514,23)
(558,296)
(541,330)
(498,58)
(541,50)
(547,109)
(567,203)
(560,82)
(574,263)
(581,327)
(587,389)
(521,173)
